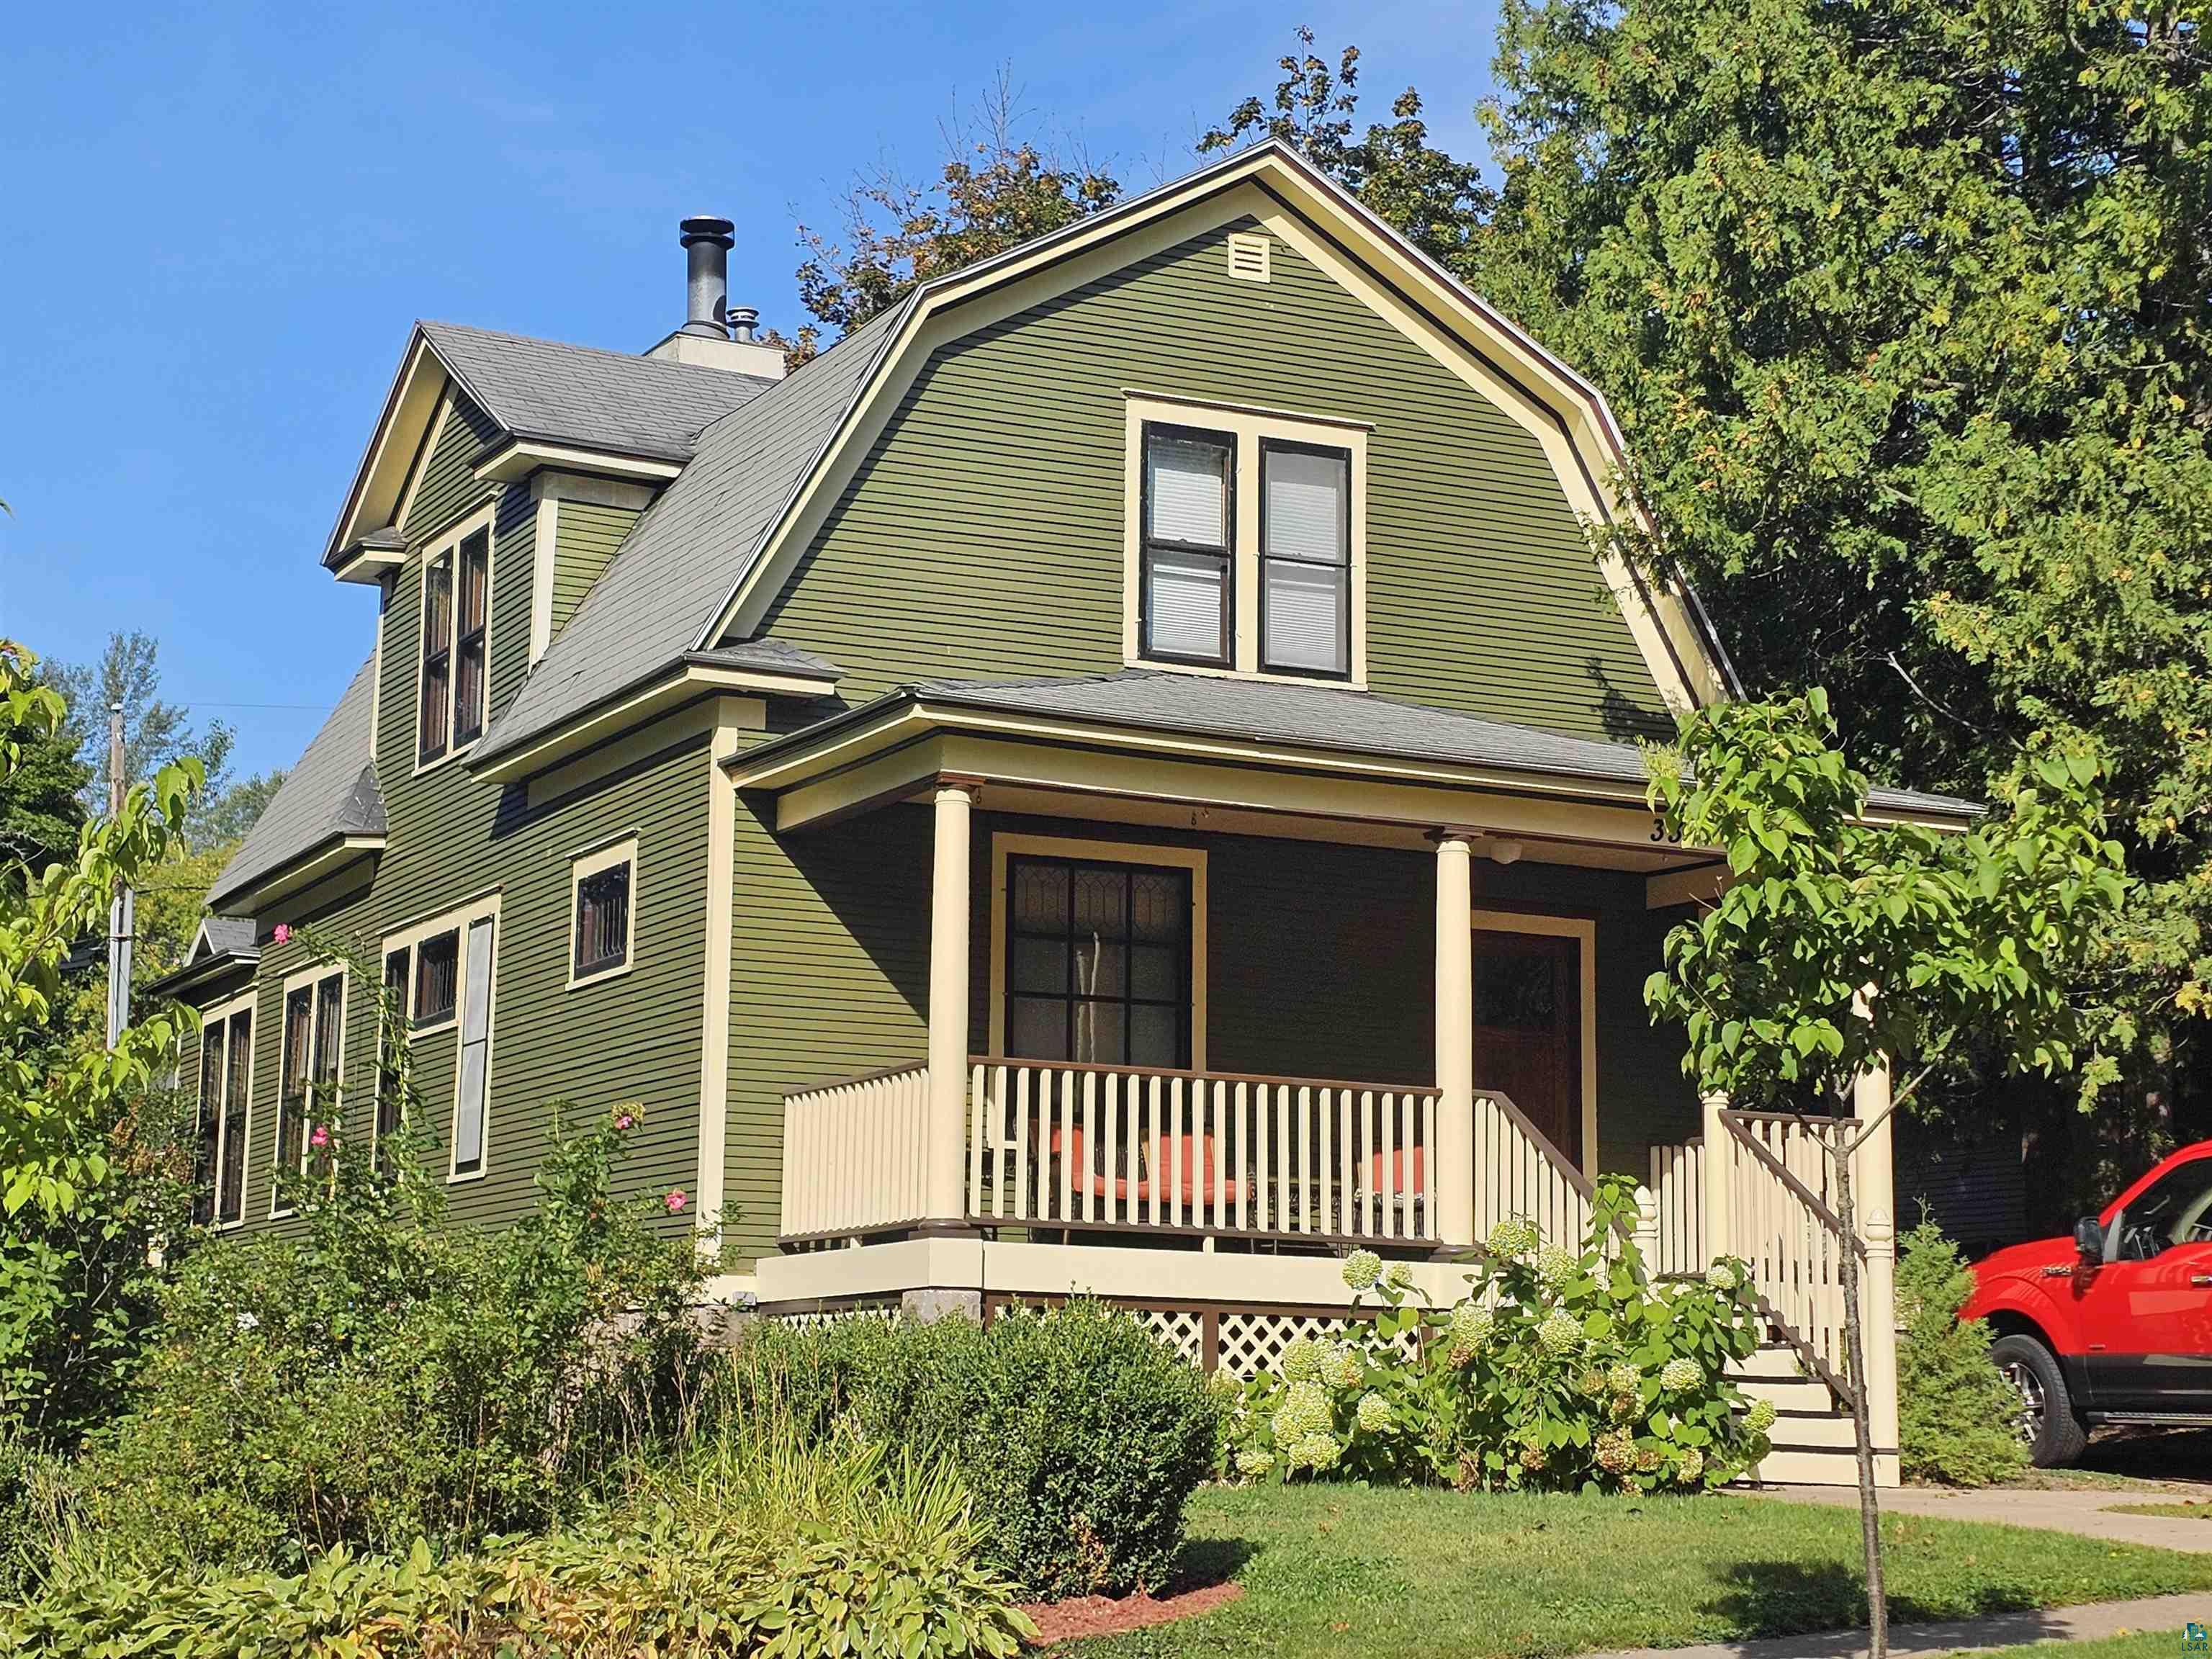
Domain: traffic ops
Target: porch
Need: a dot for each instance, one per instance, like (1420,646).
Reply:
(1199,1019)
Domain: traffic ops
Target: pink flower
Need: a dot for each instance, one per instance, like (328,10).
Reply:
(675,1201)
(320,1138)
(624,1120)
(284,933)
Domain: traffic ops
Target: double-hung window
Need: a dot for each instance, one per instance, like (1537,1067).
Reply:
(225,1096)
(391,1058)
(438,975)
(313,1032)
(1305,559)
(1098,961)
(456,625)
(1246,541)
(1189,575)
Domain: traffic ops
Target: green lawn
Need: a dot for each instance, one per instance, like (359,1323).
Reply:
(2183,1511)
(2141,1644)
(1335,1569)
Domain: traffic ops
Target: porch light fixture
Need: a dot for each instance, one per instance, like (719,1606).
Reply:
(1504,852)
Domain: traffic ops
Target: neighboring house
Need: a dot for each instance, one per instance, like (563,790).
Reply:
(1145,711)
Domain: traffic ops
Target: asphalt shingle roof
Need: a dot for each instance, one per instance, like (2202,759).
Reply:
(609,400)
(1318,716)
(330,793)
(694,544)
(230,936)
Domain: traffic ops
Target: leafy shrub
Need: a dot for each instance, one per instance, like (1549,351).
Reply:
(393,1374)
(1954,1413)
(1558,1370)
(80,1284)
(1081,1434)
(34,1497)
(757,1552)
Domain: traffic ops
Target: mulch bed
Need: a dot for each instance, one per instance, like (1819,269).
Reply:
(1105,1615)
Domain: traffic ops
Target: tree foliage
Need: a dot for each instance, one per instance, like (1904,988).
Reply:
(47,1095)
(995,189)
(1903,307)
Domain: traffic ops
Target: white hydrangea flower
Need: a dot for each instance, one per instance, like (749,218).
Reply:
(1362,1268)
(1401,1275)
(1721,1276)
(1679,1373)
(1615,1451)
(1252,1463)
(1317,1452)
(1623,1378)
(1560,1333)
(1555,1265)
(1468,1327)
(1691,1467)
(1760,1418)
(1340,1365)
(1512,1236)
(1304,1410)
(1301,1359)
(1373,1412)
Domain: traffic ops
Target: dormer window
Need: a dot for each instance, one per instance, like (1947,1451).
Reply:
(1247,541)
(456,626)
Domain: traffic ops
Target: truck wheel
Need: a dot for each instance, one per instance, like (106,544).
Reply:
(2054,1435)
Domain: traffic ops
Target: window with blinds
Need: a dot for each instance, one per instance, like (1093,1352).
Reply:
(599,940)
(437,967)
(469,624)
(1098,967)
(435,725)
(1305,559)
(455,691)
(1189,561)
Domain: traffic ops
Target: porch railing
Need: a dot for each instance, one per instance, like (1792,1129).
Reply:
(1678,1192)
(1112,1147)
(855,1154)
(1518,1172)
(1783,1223)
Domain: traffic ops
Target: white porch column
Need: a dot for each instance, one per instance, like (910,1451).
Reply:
(1874,1198)
(1455,1148)
(944,1184)
(1719,1161)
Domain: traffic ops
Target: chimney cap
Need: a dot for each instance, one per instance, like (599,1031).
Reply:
(708,227)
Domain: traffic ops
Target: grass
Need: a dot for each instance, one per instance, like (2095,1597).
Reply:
(1335,1569)
(2136,1644)
(2186,1511)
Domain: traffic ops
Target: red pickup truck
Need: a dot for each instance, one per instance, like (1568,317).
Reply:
(2113,1325)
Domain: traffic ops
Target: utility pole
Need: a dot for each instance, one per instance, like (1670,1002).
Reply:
(121,913)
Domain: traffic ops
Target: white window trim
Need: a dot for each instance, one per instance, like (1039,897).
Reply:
(449,540)
(585,865)
(245,1002)
(309,977)
(1006,844)
(1247,426)
(456,922)
(1584,931)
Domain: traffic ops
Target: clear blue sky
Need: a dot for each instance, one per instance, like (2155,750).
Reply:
(220,220)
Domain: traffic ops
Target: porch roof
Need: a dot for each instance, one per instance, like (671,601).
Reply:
(1276,714)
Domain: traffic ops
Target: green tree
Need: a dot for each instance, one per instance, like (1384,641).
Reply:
(155,733)
(41,807)
(995,189)
(1903,308)
(1840,947)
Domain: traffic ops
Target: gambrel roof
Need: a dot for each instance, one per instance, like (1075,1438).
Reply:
(704,564)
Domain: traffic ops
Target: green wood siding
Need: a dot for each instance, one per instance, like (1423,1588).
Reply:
(984,536)
(586,536)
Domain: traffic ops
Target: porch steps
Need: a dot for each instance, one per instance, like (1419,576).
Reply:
(1813,1443)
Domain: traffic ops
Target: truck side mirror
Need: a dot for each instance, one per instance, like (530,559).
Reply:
(2089,1238)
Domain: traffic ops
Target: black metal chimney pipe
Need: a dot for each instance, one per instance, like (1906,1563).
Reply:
(707,244)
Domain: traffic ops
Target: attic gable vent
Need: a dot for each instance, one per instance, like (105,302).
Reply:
(1247,257)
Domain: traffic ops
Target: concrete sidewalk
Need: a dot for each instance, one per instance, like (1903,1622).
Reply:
(2083,1510)
(1995,1630)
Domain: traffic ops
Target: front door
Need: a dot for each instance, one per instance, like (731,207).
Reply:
(2146,1316)
(1529,1029)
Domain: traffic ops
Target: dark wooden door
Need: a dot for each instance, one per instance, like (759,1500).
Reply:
(1528,1028)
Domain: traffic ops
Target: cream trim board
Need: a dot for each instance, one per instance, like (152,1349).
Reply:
(545,545)
(308,979)
(519,458)
(1006,843)
(483,518)
(734,718)
(586,731)
(1584,931)
(373,481)
(584,866)
(457,920)
(1248,428)
(246,1002)
(420,464)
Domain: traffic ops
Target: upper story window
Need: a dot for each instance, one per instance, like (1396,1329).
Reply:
(1247,543)
(602,924)
(443,969)
(226,1095)
(456,623)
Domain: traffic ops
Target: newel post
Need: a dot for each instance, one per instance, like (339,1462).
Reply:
(1719,1160)
(1455,1148)
(946,1161)
(1647,1229)
(1874,1198)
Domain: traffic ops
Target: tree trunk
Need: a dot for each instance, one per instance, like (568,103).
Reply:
(1855,1358)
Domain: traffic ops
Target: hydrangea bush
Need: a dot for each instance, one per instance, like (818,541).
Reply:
(1558,1370)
